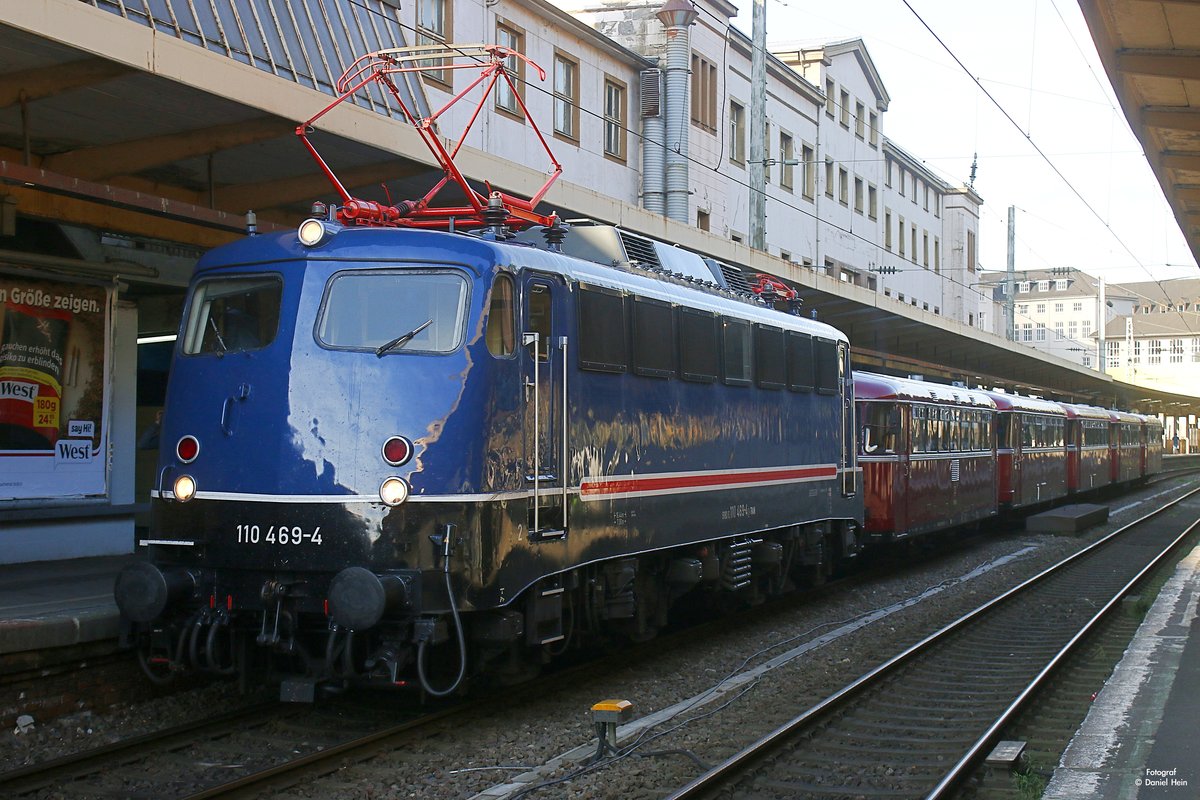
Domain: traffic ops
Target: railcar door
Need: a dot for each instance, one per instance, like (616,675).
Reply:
(544,362)
(849,455)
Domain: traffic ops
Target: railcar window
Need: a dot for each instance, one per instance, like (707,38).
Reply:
(699,351)
(233,314)
(736,349)
(653,338)
(541,307)
(825,352)
(770,360)
(603,330)
(879,424)
(799,362)
(501,322)
(367,310)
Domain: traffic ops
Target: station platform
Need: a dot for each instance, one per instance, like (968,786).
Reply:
(1140,737)
(53,604)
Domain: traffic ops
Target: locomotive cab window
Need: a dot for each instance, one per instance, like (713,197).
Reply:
(501,322)
(394,311)
(233,314)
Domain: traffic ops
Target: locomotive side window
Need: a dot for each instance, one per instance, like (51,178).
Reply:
(653,338)
(501,323)
(401,311)
(233,314)
(825,353)
(698,347)
(799,361)
(770,360)
(603,330)
(736,348)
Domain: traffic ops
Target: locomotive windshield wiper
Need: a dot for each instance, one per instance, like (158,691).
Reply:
(400,341)
(220,341)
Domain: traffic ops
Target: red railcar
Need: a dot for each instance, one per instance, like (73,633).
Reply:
(1152,430)
(1089,459)
(1031,450)
(927,452)
(1127,441)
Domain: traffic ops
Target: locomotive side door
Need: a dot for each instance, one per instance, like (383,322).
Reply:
(544,361)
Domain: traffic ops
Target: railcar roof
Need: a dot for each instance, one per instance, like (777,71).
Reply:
(870,386)
(1085,412)
(1016,402)
(1125,416)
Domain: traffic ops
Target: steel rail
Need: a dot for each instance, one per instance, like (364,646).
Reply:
(776,738)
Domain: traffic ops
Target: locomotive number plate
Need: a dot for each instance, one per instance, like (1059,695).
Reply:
(282,535)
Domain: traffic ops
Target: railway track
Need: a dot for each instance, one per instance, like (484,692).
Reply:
(918,724)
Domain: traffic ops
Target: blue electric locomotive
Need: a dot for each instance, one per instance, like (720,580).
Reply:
(391,453)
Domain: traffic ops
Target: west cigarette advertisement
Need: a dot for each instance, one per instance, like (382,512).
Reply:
(54,350)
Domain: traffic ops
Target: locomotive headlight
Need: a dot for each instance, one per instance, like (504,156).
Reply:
(393,491)
(311,232)
(185,488)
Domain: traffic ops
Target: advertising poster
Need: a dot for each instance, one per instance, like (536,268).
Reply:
(54,339)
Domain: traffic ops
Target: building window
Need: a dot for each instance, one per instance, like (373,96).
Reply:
(1073,330)
(434,28)
(873,130)
(1023,286)
(829,177)
(1043,286)
(787,154)
(1196,350)
(927,197)
(844,111)
(1022,308)
(1041,333)
(843,187)
(887,229)
(702,219)
(970,251)
(1177,351)
(1058,308)
(1156,348)
(913,231)
(566,96)
(872,202)
(1114,353)
(737,132)
(506,99)
(1137,351)
(1058,330)
(1027,332)
(937,255)
(829,97)
(1077,306)
(1041,308)
(704,93)
(925,248)
(1087,328)
(615,110)
(858,194)
(860,122)
(808,157)
(900,235)
(887,172)
(903,180)
(1060,285)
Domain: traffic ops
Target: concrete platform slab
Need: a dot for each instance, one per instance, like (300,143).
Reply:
(1068,519)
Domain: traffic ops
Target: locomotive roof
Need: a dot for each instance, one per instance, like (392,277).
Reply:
(380,246)
(870,386)
(1016,402)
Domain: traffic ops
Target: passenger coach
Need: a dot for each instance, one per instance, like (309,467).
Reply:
(1089,460)
(927,453)
(1031,450)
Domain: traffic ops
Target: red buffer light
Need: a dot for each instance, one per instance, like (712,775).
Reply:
(397,451)
(187,449)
